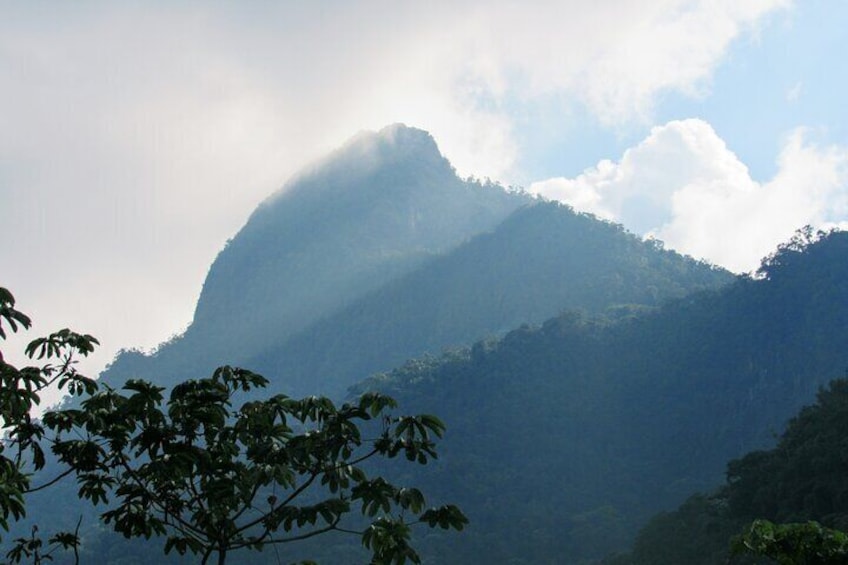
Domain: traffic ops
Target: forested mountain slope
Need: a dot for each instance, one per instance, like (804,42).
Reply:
(805,477)
(564,439)
(368,213)
(381,253)
(541,260)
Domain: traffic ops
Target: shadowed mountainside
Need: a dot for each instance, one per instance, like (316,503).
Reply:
(564,439)
(805,477)
(541,260)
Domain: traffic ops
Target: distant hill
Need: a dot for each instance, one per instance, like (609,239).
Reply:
(563,439)
(380,252)
(542,260)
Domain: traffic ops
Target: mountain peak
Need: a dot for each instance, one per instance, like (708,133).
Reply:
(402,138)
(395,136)
(393,143)
(369,151)
(371,211)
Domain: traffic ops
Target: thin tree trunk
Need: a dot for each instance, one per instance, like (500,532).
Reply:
(222,554)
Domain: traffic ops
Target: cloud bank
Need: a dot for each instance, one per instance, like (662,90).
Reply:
(682,185)
(135,138)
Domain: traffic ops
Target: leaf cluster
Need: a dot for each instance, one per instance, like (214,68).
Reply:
(21,452)
(807,543)
(20,392)
(213,478)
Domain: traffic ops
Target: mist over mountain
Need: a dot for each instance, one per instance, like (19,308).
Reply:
(372,211)
(563,439)
(543,259)
(379,252)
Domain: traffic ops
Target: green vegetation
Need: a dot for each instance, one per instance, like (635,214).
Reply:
(215,480)
(566,437)
(21,451)
(586,427)
(211,478)
(794,544)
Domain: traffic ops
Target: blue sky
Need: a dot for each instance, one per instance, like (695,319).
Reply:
(136,138)
(747,99)
(788,77)
(773,100)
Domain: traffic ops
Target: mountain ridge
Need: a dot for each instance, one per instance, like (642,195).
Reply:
(520,272)
(383,206)
(583,428)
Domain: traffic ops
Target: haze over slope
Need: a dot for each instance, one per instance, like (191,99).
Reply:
(380,252)
(541,260)
(371,211)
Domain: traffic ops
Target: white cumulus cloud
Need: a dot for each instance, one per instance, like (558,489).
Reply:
(684,186)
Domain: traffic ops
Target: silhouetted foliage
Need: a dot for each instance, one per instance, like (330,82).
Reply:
(215,479)
(21,452)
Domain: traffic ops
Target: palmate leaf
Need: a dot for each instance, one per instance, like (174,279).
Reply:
(388,540)
(59,342)
(8,314)
(446,517)
(21,453)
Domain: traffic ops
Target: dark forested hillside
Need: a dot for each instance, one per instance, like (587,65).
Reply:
(564,439)
(805,477)
(380,253)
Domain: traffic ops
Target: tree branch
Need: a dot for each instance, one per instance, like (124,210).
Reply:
(51,482)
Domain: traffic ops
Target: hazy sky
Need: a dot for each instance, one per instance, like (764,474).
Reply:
(136,137)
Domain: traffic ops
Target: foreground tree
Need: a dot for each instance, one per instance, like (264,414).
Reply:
(21,434)
(215,479)
(212,478)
